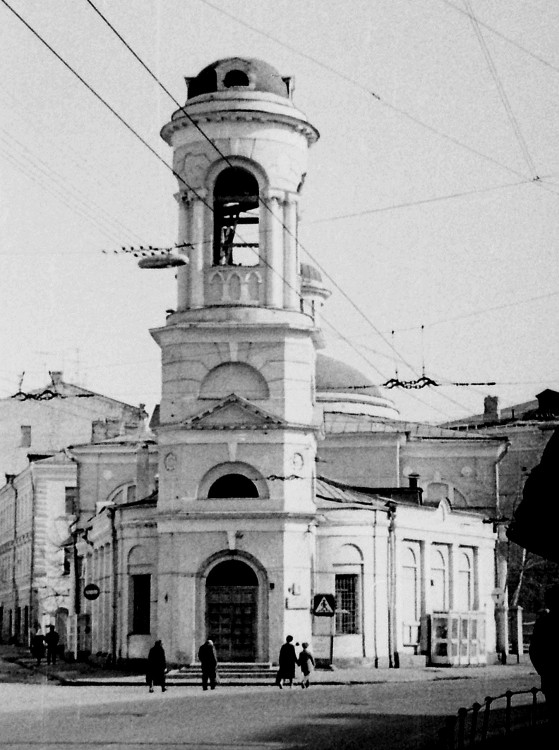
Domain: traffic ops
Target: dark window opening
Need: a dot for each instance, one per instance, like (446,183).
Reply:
(141,604)
(232,573)
(235,78)
(66,565)
(70,500)
(236,219)
(233,485)
(346,604)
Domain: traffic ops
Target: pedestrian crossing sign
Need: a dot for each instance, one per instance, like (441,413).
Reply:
(324,605)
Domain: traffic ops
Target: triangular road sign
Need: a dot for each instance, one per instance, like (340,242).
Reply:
(324,605)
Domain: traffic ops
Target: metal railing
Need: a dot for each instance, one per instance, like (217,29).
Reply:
(475,726)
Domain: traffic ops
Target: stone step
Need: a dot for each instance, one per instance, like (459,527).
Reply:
(227,669)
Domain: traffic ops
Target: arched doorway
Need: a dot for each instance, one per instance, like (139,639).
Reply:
(232,610)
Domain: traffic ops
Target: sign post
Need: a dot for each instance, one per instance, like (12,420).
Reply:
(324,605)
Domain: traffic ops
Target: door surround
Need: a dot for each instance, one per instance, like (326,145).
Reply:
(262,634)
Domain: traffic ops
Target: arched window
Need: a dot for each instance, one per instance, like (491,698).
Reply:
(439,578)
(410,584)
(236,218)
(233,485)
(464,589)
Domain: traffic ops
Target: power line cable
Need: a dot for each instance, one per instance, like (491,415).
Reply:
(501,90)
(410,204)
(507,39)
(398,110)
(179,177)
(225,158)
(62,182)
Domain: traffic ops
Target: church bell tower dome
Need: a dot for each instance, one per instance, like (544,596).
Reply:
(240,155)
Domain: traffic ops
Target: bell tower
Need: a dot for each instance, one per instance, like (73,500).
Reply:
(237,429)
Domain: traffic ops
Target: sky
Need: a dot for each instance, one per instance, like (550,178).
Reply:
(431,202)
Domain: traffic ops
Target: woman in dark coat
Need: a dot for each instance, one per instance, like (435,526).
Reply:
(157,664)
(38,646)
(287,663)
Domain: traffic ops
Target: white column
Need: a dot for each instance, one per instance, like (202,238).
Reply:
(273,238)
(198,239)
(291,294)
(183,237)
(453,576)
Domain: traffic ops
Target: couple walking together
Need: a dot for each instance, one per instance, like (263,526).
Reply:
(288,660)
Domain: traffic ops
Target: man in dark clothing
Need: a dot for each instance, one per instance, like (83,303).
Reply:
(287,662)
(208,662)
(157,664)
(51,640)
(544,652)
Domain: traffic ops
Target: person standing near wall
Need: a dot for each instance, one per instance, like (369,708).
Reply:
(287,662)
(51,640)
(208,661)
(157,664)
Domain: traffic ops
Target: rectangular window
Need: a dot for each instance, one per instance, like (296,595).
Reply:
(70,500)
(141,604)
(25,435)
(346,604)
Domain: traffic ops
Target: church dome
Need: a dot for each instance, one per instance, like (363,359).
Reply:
(235,73)
(333,375)
(341,388)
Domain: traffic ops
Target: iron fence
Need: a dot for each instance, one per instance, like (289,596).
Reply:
(497,717)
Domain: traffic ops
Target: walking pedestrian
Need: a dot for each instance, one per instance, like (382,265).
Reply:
(287,661)
(51,639)
(156,667)
(544,654)
(306,662)
(38,646)
(208,661)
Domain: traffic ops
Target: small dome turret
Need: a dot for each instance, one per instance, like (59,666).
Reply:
(232,73)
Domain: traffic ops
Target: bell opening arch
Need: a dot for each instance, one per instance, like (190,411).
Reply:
(232,606)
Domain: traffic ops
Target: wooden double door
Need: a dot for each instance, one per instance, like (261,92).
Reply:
(232,611)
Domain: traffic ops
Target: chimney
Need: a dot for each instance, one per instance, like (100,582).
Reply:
(56,377)
(413,479)
(98,431)
(491,409)
(142,472)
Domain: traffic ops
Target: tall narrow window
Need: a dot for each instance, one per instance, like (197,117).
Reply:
(346,604)
(439,578)
(236,218)
(464,588)
(141,604)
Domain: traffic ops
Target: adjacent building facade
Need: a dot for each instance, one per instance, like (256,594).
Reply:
(39,500)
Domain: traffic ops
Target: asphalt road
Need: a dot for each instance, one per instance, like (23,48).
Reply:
(404,715)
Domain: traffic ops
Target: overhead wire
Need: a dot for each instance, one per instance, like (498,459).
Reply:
(502,93)
(226,159)
(154,152)
(384,102)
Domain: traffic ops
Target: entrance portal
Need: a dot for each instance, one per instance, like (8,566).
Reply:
(232,610)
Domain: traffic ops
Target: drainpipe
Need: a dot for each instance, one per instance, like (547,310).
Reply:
(501,570)
(114,587)
(32,560)
(375,592)
(392,653)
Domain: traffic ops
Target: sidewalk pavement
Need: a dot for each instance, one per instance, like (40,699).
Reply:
(80,673)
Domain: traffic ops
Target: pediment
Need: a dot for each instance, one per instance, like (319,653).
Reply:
(234,412)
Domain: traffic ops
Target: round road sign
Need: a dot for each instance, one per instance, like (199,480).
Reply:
(91,591)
